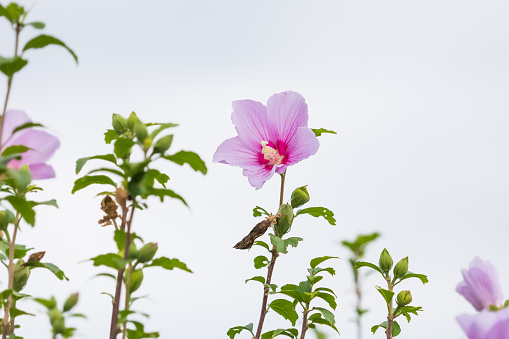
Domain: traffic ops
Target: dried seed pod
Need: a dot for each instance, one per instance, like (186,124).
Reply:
(110,208)
(36,256)
(257,231)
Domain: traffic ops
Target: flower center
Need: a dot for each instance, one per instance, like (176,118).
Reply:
(271,154)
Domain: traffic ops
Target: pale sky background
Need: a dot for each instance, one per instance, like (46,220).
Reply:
(417,91)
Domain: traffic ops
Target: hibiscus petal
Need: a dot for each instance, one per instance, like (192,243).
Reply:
(286,112)
(234,152)
(250,120)
(12,119)
(41,171)
(43,145)
(303,145)
(258,176)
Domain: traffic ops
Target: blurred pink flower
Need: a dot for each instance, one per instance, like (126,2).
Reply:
(480,285)
(486,325)
(42,145)
(269,138)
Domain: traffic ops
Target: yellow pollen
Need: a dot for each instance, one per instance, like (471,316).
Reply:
(271,154)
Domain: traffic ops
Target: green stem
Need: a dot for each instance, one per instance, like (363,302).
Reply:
(270,270)
(127,296)
(6,330)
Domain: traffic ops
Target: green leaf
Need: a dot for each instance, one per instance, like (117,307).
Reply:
(232,332)
(258,211)
(316,318)
(16,149)
(329,270)
(24,208)
(319,131)
(405,310)
(326,290)
(395,328)
(110,260)
(291,291)
(43,40)
(292,241)
(330,299)
(163,144)
(359,245)
(110,135)
(36,24)
(163,192)
(422,277)
(317,261)
(261,261)
(14,312)
(191,158)
(262,244)
(286,309)
(9,66)
(290,332)
(82,161)
(51,202)
(278,243)
(386,294)
(169,264)
(4,13)
(88,180)
(327,315)
(22,177)
(161,128)
(48,303)
(257,278)
(360,264)
(319,212)
(122,147)
(14,12)
(53,268)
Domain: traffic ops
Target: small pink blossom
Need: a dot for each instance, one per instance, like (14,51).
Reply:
(42,145)
(480,285)
(269,138)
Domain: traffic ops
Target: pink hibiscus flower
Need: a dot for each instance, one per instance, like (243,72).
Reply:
(42,145)
(486,325)
(269,138)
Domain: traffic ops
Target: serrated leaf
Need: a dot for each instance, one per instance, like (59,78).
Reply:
(290,332)
(88,180)
(328,315)
(395,328)
(317,261)
(9,66)
(190,158)
(278,243)
(291,291)
(421,277)
(325,289)
(360,264)
(386,294)
(49,266)
(292,241)
(257,278)
(163,192)
(110,135)
(316,212)
(232,332)
(262,244)
(317,319)
(261,261)
(319,131)
(330,299)
(44,40)
(259,211)
(82,161)
(169,264)
(110,260)
(286,309)
(122,147)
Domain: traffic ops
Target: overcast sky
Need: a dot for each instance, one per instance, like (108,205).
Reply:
(417,91)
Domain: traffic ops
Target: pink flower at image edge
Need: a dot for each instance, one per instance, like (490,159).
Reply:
(43,145)
(486,325)
(269,138)
(480,285)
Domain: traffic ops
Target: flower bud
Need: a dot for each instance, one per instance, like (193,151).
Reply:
(133,251)
(71,302)
(404,298)
(119,123)
(147,252)
(140,130)
(385,262)
(401,268)
(284,222)
(136,280)
(299,197)
(163,144)
(57,321)
(6,218)
(132,120)
(21,275)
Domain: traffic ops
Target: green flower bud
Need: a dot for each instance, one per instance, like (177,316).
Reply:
(136,280)
(147,252)
(404,298)
(57,321)
(6,218)
(300,196)
(133,251)
(132,120)
(401,268)
(71,302)
(140,130)
(163,144)
(119,123)
(21,275)
(284,222)
(385,262)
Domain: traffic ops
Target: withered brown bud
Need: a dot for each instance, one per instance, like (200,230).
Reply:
(110,208)
(257,231)
(121,196)
(36,256)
